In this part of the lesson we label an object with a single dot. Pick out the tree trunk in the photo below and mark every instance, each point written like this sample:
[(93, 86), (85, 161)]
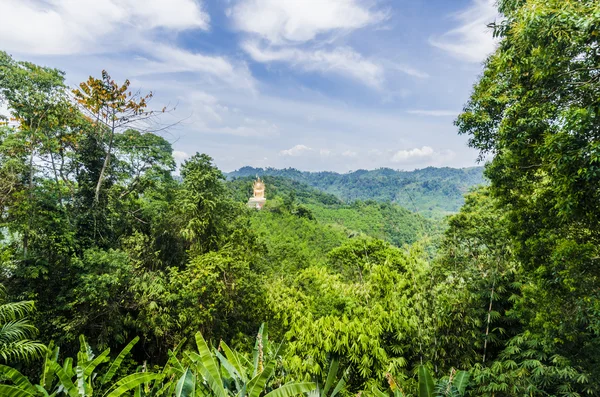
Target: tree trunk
[(30, 198), (106, 163), (487, 328)]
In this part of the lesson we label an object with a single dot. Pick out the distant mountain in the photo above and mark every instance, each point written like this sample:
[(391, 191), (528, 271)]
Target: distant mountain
[(432, 192)]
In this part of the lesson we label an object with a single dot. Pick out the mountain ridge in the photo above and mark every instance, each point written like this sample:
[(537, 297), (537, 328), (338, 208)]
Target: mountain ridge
[(433, 191)]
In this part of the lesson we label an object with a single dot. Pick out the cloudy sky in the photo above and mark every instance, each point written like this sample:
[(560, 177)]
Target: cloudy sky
[(313, 84)]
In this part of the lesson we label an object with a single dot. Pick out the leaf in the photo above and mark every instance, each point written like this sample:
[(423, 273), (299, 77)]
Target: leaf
[(117, 363), (256, 351), (131, 382), (425, 382), (85, 354), (176, 365), (167, 369), (461, 381), (257, 384), (13, 391), (186, 387), (91, 366), (82, 388), (378, 393), (65, 380), (233, 373), (47, 372), (208, 367), (234, 359), (333, 369), (17, 378), (292, 389), (68, 366), (341, 383)]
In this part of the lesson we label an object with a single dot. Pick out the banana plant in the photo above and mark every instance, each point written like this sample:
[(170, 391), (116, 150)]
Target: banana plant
[(76, 380), (323, 391), (205, 373), (232, 375), (454, 385)]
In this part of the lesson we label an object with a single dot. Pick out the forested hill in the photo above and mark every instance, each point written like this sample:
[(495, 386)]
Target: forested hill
[(382, 220), (431, 191)]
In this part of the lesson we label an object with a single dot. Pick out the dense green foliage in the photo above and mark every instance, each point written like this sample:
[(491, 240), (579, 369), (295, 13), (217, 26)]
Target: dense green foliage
[(367, 296), (432, 192)]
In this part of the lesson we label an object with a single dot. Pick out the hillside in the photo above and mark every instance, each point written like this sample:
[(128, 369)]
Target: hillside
[(432, 192), (386, 221)]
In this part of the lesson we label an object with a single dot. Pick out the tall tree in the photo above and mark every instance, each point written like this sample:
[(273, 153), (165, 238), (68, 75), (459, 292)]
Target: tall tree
[(112, 107), (535, 113)]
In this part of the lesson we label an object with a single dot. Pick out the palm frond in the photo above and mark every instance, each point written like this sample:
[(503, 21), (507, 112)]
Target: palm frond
[(15, 310), (21, 350), (13, 331)]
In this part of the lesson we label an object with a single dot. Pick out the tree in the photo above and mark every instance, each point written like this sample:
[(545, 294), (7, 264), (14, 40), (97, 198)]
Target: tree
[(37, 100), (206, 210), (477, 265), (111, 107), (535, 114)]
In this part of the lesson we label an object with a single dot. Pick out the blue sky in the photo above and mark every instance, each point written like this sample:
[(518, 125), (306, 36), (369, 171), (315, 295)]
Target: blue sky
[(313, 84)]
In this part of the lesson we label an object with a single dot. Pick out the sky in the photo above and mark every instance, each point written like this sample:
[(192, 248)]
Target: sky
[(317, 85)]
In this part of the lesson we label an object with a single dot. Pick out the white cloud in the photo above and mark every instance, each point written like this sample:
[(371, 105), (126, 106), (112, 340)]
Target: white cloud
[(405, 156), (472, 40), (303, 34), (180, 156), (343, 60), (349, 153), (140, 30), (407, 70), (252, 128), (210, 115), (281, 21), (76, 26), (296, 151), (168, 59), (433, 113), (325, 152)]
